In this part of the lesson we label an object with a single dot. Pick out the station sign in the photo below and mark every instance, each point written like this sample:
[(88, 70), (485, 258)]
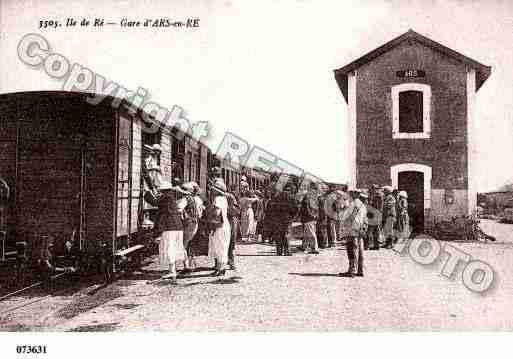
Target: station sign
[(411, 73)]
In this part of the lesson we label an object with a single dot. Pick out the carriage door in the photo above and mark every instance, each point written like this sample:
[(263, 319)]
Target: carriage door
[(128, 181), (413, 183)]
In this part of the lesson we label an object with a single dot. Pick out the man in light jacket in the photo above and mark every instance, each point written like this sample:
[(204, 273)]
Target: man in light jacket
[(357, 224)]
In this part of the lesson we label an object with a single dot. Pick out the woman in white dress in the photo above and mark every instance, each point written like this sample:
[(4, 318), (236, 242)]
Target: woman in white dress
[(219, 238), (247, 225), (169, 224)]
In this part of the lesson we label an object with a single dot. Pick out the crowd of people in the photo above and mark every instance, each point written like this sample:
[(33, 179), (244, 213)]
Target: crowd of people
[(360, 219)]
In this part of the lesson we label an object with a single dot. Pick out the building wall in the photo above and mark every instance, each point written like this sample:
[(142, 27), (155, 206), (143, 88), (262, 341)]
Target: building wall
[(445, 151)]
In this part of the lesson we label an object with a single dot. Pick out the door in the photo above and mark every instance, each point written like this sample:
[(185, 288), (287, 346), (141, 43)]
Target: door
[(413, 183), (128, 181)]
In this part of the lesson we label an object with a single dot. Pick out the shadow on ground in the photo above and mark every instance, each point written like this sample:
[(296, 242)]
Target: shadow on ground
[(315, 274), (87, 303), (103, 327)]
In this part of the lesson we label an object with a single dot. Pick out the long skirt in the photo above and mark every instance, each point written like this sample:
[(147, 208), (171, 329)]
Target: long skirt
[(253, 229), (403, 227), (247, 222), (388, 228), (219, 243), (171, 248), (189, 232)]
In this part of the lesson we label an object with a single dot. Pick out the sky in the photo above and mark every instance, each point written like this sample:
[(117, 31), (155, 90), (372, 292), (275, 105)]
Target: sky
[(264, 69)]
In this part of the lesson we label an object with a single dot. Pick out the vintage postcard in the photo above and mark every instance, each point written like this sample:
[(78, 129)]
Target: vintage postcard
[(221, 166)]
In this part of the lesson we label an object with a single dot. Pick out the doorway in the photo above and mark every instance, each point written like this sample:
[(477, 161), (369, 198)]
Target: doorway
[(413, 183)]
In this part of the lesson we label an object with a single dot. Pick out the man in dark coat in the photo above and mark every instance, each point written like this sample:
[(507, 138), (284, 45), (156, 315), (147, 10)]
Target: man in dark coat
[(234, 218), (322, 222), (389, 216), (281, 210), (309, 213), (331, 206)]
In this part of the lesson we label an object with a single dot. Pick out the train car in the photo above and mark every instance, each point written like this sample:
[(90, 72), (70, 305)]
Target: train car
[(71, 169), (257, 179), (74, 168)]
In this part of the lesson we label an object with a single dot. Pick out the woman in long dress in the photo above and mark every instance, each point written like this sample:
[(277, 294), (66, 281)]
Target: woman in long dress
[(247, 224), (169, 224), (219, 239), (190, 222)]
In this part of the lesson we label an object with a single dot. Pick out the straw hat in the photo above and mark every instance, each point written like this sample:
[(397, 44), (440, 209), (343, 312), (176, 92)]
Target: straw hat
[(388, 189), (156, 147), (188, 186), (403, 194), (219, 186), (168, 186)]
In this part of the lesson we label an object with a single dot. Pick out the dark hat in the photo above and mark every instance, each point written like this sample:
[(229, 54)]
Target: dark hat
[(148, 148)]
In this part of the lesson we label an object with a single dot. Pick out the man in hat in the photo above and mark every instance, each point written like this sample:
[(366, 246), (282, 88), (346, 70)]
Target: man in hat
[(282, 210), (244, 185), (215, 172), (403, 218), (234, 219), (309, 214), (152, 166), (357, 220), (332, 214), (374, 210), (322, 222), (364, 197), (389, 216)]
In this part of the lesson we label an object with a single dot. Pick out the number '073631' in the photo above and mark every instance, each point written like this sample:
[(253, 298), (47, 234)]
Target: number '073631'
[(31, 349)]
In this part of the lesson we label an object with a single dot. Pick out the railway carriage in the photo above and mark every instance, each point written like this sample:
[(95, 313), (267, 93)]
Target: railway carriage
[(71, 168)]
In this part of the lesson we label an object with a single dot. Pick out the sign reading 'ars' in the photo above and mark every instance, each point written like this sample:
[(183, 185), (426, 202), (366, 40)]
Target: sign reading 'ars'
[(410, 73)]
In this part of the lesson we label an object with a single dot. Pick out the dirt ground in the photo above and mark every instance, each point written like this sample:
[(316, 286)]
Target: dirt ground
[(271, 293)]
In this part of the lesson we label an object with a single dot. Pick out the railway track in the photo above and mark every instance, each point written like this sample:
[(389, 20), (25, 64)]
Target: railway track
[(26, 303)]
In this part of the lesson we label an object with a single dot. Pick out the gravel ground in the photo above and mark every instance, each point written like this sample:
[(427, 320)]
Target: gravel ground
[(298, 293)]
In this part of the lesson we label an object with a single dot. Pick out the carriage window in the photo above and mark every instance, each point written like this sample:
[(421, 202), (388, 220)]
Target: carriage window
[(411, 110)]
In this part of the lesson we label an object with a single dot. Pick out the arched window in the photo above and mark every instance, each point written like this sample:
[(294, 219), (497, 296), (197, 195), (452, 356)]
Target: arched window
[(411, 110)]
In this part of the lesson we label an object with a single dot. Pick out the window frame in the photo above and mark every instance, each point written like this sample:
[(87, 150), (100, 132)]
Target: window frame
[(426, 110)]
